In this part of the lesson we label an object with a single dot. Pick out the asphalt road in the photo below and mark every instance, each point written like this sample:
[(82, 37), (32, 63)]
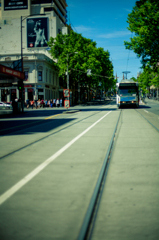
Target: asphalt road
[(152, 105), (50, 161), (31, 117)]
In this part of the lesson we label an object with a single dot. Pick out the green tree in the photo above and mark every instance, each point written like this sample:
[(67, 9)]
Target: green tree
[(148, 78), (81, 54), (144, 79), (143, 21), (106, 69)]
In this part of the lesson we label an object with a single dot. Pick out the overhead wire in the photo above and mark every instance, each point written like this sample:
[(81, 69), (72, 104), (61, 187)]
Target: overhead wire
[(128, 55), (91, 73)]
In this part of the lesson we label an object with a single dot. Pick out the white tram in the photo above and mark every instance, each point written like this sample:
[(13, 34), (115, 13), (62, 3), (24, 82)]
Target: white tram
[(127, 93)]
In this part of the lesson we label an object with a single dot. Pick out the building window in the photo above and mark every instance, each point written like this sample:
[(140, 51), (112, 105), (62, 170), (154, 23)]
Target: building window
[(26, 75), (39, 75), (46, 76), (48, 9), (53, 78), (49, 77)]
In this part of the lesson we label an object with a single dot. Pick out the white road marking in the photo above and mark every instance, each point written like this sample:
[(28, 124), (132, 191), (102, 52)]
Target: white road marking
[(146, 111), (37, 170)]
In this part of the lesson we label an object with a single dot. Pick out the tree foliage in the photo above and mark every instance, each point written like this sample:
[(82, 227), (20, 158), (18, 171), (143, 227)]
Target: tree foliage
[(148, 78), (143, 21), (81, 54)]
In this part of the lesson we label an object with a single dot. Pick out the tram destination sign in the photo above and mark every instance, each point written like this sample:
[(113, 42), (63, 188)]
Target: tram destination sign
[(127, 84), (15, 5)]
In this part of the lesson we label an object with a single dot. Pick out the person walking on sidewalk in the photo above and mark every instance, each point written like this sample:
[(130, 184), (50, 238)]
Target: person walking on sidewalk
[(32, 104), (57, 103), (54, 102), (60, 102)]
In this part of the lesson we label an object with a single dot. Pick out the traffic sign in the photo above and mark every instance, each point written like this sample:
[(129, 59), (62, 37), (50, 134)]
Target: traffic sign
[(66, 92), (66, 103)]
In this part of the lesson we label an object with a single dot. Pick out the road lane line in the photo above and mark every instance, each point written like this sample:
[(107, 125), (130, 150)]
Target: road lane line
[(37, 170), (53, 116), (146, 111)]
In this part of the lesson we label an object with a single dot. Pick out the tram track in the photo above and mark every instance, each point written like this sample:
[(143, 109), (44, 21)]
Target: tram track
[(90, 217), (88, 224)]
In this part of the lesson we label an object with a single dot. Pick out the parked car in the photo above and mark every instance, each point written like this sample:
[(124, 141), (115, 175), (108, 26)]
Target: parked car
[(5, 106)]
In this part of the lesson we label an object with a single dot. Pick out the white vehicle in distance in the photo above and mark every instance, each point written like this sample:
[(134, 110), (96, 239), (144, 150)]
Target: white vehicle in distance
[(5, 106), (127, 93)]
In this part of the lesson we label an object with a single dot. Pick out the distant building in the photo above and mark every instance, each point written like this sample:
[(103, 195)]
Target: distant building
[(41, 19)]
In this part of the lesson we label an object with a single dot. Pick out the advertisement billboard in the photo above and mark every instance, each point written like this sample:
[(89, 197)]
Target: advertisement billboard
[(37, 32), (15, 4)]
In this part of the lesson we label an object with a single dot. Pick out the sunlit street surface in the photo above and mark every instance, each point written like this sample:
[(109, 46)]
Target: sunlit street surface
[(50, 164)]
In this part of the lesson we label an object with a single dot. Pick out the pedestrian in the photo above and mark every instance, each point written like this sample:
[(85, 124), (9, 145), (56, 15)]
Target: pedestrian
[(54, 102), (27, 103), (57, 103), (38, 104), (60, 102), (32, 104), (42, 103), (46, 103), (51, 103)]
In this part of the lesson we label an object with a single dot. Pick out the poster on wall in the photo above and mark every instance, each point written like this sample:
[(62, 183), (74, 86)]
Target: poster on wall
[(37, 32), (15, 4)]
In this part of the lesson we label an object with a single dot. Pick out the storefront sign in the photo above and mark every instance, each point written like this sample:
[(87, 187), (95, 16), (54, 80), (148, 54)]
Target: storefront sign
[(29, 86), (15, 4), (11, 72), (5, 84)]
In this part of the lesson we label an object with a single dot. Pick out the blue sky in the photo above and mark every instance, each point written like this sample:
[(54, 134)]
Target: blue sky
[(104, 21)]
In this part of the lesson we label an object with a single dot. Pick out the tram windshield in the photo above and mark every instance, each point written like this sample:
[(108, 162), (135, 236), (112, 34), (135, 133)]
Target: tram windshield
[(127, 92)]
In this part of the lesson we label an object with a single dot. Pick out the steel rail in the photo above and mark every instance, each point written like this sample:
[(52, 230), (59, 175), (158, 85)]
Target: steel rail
[(84, 231)]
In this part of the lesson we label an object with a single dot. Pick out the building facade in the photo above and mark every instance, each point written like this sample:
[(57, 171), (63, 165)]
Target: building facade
[(25, 28)]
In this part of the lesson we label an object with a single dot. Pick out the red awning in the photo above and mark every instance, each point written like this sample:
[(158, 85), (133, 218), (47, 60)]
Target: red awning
[(9, 71)]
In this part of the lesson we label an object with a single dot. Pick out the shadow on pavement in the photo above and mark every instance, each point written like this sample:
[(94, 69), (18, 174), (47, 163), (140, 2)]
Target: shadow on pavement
[(30, 126), (132, 107)]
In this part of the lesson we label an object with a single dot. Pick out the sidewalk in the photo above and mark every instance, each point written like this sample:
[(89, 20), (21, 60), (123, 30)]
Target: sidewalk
[(151, 100)]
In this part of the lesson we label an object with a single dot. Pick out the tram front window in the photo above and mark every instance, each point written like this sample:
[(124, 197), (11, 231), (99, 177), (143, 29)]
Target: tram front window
[(127, 92)]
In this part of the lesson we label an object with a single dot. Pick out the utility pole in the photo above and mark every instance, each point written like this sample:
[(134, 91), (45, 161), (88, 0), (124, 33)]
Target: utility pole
[(126, 72)]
